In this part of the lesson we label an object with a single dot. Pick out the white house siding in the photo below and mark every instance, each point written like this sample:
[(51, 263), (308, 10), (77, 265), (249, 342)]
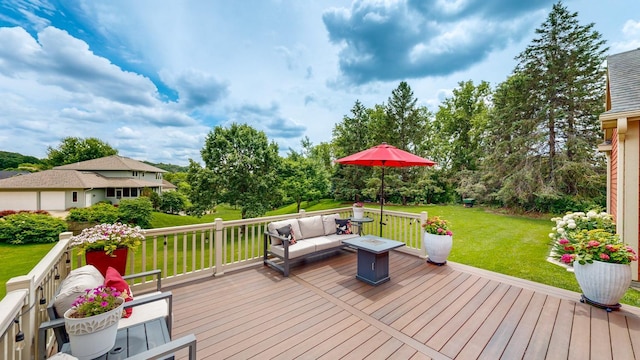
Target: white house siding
[(18, 200), (52, 200)]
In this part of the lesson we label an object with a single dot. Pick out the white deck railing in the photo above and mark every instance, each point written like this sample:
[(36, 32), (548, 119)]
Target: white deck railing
[(183, 253)]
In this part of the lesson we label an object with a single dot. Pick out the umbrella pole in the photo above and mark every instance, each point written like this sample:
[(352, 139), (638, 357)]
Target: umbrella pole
[(382, 199)]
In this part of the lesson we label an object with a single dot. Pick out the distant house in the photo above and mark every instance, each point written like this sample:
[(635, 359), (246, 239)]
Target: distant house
[(621, 126), (82, 184)]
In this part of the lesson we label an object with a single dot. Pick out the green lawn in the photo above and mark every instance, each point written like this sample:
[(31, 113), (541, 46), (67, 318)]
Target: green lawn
[(512, 245)]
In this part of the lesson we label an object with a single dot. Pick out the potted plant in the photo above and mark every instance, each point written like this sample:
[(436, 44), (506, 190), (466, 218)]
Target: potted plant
[(107, 245), (358, 210), (600, 260), (92, 322), (437, 239)]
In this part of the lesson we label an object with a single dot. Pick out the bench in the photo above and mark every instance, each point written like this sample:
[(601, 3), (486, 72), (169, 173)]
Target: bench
[(314, 235), (146, 307)]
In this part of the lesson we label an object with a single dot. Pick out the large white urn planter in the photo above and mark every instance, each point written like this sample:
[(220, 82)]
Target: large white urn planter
[(358, 212), (92, 336), (438, 247), (603, 284)]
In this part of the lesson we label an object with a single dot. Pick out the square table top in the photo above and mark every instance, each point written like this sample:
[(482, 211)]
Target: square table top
[(373, 244)]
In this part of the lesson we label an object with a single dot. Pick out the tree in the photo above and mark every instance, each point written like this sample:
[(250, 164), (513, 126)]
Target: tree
[(12, 161), (303, 176), (458, 134), (74, 149), (556, 95), (173, 202), (351, 136), (404, 126), (241, 169)]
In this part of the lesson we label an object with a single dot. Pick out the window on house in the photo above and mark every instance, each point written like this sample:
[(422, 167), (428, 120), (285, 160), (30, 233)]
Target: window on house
[(134, 192), (111, 192), (75, 196), (134, 173), (125, 192)]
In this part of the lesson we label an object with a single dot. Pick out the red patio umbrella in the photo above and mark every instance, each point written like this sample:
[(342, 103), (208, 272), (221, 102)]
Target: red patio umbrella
[(384, 155)]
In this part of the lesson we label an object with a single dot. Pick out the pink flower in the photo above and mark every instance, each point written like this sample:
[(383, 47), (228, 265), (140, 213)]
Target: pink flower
[(563, 241), (104, 304), (440, 230), (567, 258), (569, 248), (604, 257), (593, 243), (610, 248), (449, 233)]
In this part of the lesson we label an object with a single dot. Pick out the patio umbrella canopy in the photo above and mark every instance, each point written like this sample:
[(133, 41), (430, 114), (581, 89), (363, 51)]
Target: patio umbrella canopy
[(384, 155)]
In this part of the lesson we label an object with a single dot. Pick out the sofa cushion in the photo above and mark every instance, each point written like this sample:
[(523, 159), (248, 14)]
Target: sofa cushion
[(329, 223), (311, 227), (279, 224), (74, 285), (301, 248), (114, 279), (343, 226)]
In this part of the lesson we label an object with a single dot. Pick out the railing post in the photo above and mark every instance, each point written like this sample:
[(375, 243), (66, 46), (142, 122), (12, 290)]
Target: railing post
[(28, 317), (423, 219), (219, 248), (69, 254)]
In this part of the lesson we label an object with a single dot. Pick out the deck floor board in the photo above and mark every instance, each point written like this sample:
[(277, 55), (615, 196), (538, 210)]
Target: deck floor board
[(423, 312)]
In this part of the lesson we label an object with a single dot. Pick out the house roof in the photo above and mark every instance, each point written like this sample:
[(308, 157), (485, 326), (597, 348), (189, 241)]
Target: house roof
[(66, 179), (623, 79), (167, 185), (113, 162), (4, 174)]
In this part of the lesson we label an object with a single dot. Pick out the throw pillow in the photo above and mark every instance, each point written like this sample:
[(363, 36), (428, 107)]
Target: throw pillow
[(75, 284), (115, 280), (287, 232), (343, 226)]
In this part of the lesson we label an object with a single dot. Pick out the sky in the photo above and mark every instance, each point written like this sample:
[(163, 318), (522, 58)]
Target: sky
[(153, 77)]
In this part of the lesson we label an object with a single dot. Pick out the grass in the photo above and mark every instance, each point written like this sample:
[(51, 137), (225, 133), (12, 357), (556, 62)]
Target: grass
[(507, 244), (19, 260)]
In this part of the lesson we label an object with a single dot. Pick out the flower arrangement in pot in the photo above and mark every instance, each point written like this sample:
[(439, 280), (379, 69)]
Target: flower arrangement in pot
[(599, 258), (92, 321), (358, 210), (437, 239), (107, 245)]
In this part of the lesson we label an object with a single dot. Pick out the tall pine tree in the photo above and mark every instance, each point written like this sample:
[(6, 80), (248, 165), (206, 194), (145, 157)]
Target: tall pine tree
[(562, 71)]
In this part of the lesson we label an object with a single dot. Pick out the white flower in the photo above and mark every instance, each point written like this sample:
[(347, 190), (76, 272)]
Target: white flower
[(561, 231), (572, 225), (591, 214), (552, 235), (562, 223)]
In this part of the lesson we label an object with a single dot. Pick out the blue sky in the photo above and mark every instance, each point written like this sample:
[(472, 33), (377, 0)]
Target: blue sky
[(152, 78)]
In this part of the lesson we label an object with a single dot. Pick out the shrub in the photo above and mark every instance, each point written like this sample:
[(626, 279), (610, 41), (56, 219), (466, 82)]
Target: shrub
[(99, 213), (28, 228), (136, 211), (173, 202)]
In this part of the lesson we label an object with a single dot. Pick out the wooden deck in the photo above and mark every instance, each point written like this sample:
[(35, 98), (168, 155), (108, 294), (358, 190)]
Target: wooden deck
[(424, 312)]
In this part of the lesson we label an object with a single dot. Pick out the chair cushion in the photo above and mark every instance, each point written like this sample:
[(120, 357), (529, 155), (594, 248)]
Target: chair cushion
[(74, 285), (145, 312), (311, 227), (329, 223), (115, 280)]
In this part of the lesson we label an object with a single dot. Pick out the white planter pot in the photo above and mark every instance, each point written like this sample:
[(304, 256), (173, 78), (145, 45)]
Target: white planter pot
[(438, 247), (603, 284), (93, 336), (358, 212)]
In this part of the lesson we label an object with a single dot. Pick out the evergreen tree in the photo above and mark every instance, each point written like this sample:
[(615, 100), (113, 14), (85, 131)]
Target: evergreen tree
[(553, 155)]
